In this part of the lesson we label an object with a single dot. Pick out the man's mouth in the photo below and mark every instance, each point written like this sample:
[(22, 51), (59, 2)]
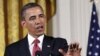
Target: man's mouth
[(39, 27)]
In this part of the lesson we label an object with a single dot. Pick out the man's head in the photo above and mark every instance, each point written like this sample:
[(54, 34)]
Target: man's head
[(33, 19)]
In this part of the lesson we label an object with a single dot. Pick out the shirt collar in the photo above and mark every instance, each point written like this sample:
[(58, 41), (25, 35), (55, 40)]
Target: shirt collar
[(31, 39)]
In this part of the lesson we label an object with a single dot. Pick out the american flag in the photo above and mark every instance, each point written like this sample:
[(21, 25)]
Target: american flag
[(93, 48)]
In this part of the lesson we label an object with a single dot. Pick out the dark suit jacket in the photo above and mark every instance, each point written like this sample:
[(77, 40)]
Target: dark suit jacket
[(50, 47)]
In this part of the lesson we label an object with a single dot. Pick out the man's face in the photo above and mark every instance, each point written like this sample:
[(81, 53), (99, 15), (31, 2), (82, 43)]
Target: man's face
[(34, 21)]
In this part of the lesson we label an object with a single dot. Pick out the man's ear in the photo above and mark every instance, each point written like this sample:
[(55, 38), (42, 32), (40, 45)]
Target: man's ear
[(23, 23)]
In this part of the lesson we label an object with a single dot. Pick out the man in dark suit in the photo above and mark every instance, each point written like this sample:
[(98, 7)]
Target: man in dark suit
[(33, 19)]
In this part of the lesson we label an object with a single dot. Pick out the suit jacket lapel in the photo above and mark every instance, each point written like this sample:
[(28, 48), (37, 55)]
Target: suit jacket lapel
[(24, 47), (47, 45)]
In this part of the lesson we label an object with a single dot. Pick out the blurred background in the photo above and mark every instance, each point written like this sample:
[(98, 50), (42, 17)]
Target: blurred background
[(69, 19)]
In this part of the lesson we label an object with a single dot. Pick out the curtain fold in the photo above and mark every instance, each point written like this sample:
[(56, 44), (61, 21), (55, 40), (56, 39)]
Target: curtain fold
[(10, 27), (2, 29), (13, 21)]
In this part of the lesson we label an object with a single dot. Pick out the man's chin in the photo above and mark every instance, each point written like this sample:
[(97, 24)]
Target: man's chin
[(39, 34)]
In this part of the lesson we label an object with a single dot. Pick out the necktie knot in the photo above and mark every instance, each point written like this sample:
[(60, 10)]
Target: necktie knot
[(36, 41)]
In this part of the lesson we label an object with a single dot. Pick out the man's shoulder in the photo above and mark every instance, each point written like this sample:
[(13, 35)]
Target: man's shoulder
[(15, 44), (57, 39)]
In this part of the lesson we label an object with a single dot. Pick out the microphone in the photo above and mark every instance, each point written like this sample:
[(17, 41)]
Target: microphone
[(38, 53)]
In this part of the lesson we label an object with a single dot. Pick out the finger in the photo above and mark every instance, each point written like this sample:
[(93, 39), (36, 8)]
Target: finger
[(76, 46), (80, 50), (70, 46), (70, 51), (62, 52), (73, 45)]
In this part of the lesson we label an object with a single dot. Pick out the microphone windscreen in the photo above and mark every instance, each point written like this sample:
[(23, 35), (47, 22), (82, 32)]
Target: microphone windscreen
[(38, 53)]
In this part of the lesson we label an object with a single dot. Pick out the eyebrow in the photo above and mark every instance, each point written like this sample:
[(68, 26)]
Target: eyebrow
[(35, 15), (41, 14), (32, 16)]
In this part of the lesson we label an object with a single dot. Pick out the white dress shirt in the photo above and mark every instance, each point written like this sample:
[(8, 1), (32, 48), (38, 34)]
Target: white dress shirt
[(31, 44)]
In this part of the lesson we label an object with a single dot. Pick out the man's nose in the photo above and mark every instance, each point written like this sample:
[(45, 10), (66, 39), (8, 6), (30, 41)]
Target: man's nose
[(38, 21)]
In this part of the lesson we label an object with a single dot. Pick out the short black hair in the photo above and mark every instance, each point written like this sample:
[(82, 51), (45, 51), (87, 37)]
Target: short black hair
[(27, 6)]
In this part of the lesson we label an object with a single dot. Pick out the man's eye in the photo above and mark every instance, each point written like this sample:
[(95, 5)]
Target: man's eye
[(32, 18), (41, 16)]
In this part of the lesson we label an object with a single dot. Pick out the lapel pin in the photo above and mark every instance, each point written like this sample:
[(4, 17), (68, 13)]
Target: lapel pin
[(48, 45)]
